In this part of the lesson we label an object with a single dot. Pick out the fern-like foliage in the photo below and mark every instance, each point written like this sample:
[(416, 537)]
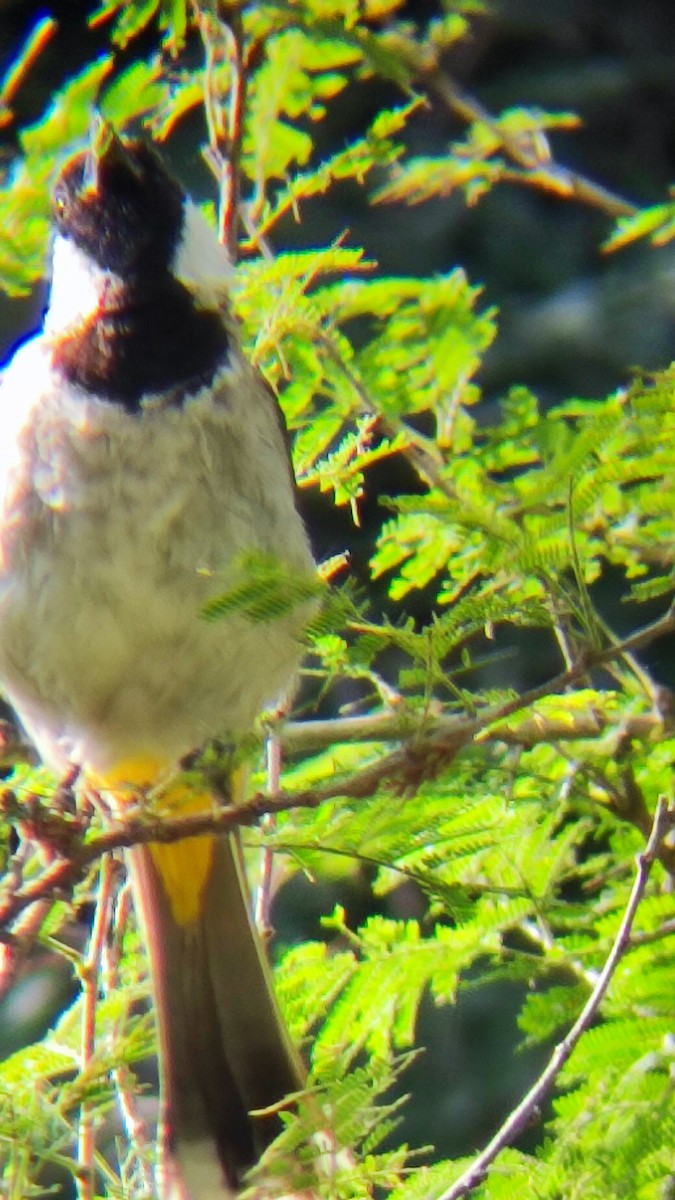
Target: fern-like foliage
[(514, 819)]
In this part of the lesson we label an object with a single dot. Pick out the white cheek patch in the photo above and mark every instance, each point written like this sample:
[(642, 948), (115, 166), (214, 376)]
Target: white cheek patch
[(200, 262), (78, 285)]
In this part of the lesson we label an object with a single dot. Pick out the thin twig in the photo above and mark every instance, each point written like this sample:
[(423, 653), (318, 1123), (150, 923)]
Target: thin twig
[(520, 1118), (29, 819), (112, 952), (57, 879), (666, 929), (20, 943), (539, 932), (236, 112), (650, 688), (89, 977), (536, 165), (306, 737), (593, 658), (223, 41), (422, 454), (263, 898), (138, 1139)]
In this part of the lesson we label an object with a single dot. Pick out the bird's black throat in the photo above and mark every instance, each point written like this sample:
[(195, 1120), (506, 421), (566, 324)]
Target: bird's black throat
[(147, 337)]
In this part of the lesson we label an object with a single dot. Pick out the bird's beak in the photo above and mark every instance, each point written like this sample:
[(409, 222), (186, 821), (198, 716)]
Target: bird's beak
[(106, 149)]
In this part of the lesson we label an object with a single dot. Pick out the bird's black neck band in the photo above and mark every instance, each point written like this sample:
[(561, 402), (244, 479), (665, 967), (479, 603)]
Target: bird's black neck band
[(148, 337)]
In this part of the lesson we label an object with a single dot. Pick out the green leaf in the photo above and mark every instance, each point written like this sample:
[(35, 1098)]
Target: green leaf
[(266, 590), (656, 222)]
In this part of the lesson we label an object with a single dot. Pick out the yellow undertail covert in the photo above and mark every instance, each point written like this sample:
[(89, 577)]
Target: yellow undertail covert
[(184, 865)]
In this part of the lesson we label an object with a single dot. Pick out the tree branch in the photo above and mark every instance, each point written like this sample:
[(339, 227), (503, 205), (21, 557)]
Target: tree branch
[(519, 1119), (307, 737), (396, 725), (424, 752), (530, 155)]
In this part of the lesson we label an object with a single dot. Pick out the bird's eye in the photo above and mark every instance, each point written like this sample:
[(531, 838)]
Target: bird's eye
[(60, 203)]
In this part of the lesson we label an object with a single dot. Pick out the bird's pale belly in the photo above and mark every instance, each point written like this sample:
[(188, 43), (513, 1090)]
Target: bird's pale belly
[(113, 542)]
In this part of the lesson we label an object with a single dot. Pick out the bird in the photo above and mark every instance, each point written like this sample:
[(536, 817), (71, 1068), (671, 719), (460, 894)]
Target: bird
[(142, 458)]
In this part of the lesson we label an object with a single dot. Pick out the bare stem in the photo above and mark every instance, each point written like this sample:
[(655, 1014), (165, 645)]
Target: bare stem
[(138, 1136), (136, 1172), (224, 104), (23, 937), (263, 897), (89, 974)]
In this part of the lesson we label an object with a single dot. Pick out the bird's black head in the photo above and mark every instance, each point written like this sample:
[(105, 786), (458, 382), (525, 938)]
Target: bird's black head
[(141, 332), (119, 205)]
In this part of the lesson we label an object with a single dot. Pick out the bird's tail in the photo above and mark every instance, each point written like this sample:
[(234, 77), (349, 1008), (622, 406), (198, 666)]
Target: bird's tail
[(224, 1048)]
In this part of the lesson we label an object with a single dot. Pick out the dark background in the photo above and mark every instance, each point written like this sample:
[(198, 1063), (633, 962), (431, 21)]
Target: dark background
[(573, 322)]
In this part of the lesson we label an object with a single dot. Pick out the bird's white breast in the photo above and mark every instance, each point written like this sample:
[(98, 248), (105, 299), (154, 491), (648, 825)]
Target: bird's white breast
[(115, 528)]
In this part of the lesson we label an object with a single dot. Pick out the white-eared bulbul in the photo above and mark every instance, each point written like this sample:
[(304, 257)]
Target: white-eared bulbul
[(141, 457)]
